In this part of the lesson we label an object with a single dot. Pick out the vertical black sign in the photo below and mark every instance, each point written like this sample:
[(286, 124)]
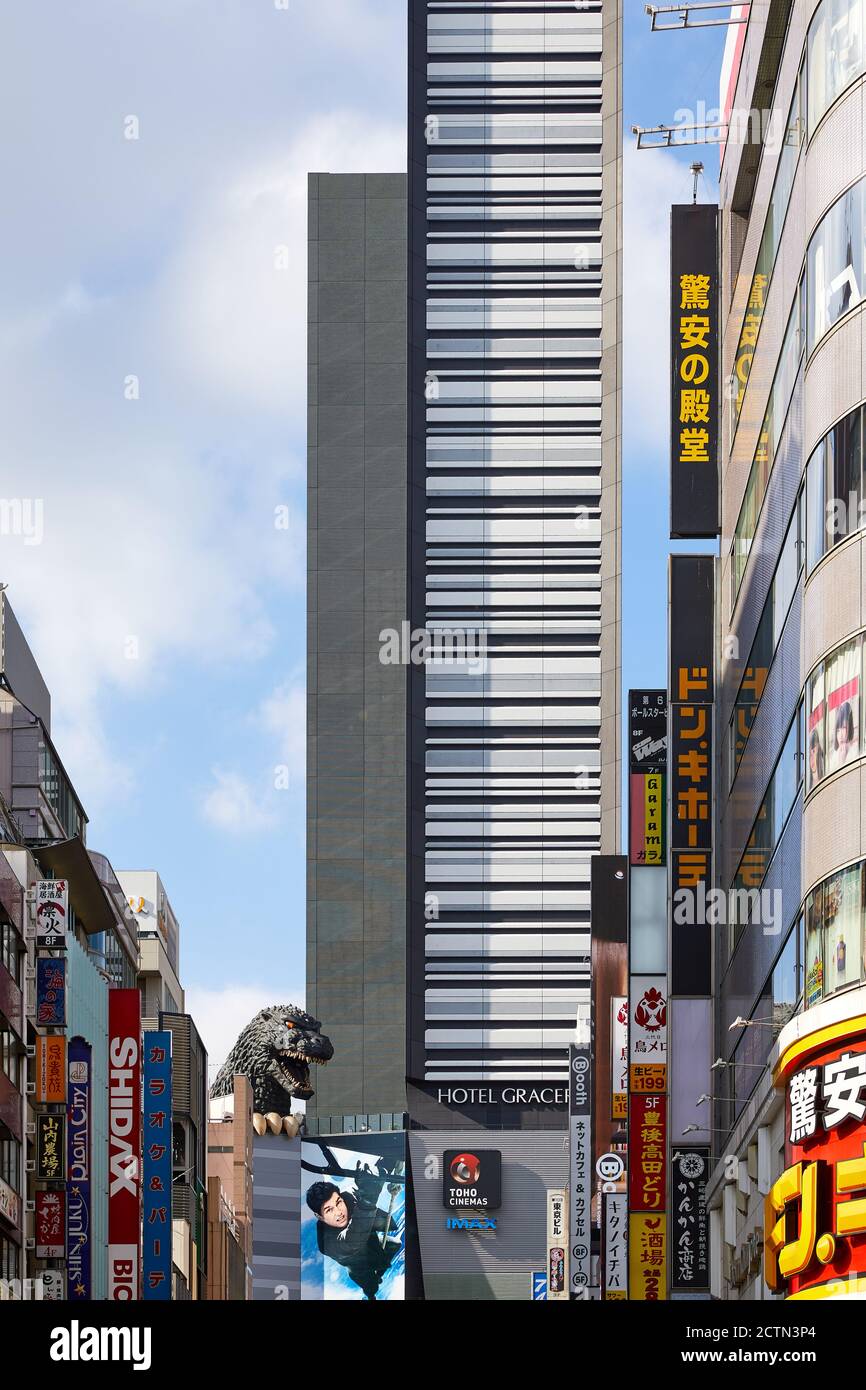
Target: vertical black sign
[(695, 371), (648, 730), (692, 647), (690, 1270)]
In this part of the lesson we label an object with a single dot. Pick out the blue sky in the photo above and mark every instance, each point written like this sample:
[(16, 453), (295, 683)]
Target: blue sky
[(165, 604)]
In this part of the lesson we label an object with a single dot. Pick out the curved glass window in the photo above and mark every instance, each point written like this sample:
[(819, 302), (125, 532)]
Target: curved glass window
[(835, 265), (834, 735), (834, 54), (835, 487), (835, 935)]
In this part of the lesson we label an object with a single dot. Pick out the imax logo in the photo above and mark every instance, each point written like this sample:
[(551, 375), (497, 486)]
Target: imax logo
[(465, 1223)]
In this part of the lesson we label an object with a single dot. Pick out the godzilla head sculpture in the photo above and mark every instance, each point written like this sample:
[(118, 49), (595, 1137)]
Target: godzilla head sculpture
[(275, 1052)]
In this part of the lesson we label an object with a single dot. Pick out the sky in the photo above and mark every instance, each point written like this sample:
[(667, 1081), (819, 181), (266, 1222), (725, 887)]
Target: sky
[(152, 393)]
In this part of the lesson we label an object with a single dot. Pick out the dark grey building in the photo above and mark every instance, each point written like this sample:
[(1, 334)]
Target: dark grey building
[(357, 587)]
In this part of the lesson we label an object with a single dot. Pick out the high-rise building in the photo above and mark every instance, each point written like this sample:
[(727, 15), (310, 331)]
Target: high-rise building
[(464, 483), (791, 839)]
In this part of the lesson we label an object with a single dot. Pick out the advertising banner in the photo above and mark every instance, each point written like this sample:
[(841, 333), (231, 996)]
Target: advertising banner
[(557, 1246), (619, 1061), (815, 1214), (647, 1148), (690, 1170), (648, 731), (580, 1167), (78, 1174), (50, 1148), (648, 1033), (51, 1070), (52, 913), (156, 1144), (615, 1227), (51, 991), (353, 1218), (51, 1225), (124, 1143), (647, 841), (647, 1258), (695, 371), (53, 1285)]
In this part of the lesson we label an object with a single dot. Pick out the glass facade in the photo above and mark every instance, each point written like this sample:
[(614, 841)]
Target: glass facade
[(769, 439), (768, 635), (771, 820), (770, 240)]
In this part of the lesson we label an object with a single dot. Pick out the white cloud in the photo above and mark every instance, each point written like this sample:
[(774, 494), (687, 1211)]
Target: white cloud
[(220, 1015), (233, 804), (284, 713), (652, 182), (160, 548), (235, 298)]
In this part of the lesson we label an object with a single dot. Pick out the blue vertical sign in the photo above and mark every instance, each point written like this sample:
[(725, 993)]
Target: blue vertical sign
[(51, 991), (78, 1172), (539, 1286), (156, 1163)]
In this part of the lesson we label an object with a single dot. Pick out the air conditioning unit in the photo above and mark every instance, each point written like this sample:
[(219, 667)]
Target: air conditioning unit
[(29, 1206), (30, 1165), (30, 1088), (29, 1243), (30, 1050), (30, 1129)]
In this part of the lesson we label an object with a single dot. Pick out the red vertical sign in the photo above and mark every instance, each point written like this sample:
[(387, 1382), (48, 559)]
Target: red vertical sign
[(124, 1143)]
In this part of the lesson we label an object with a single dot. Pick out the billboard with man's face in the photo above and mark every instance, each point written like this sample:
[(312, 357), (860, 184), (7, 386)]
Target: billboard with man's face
[(353, 1217)]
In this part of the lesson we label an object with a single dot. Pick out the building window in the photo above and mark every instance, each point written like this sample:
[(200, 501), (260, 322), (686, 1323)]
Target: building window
[(834, 265), (834, 486), (10, 1163), (834, 713), (10, 1057), (834, 54), (769, 440), (771, 238), (835, 914), (11, 951), (8, 1259), (767, 638), (768, 828)]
